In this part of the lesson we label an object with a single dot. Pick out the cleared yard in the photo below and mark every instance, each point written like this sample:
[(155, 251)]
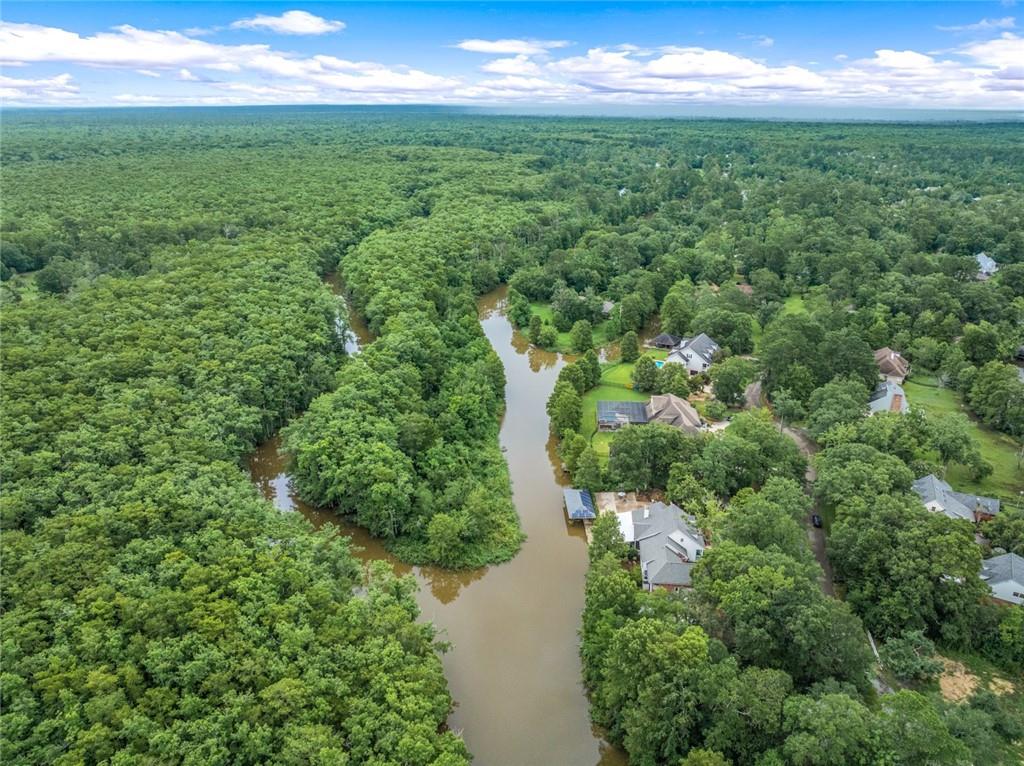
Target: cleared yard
[(1007, 479), (621, 373)]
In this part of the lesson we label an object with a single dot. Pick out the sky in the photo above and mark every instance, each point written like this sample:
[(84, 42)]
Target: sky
[(843, 54)]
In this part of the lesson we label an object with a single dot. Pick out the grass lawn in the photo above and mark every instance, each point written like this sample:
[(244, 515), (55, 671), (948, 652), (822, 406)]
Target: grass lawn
[(997, 448), (605, 393), (756, 332), (601, 334), (620, 373)]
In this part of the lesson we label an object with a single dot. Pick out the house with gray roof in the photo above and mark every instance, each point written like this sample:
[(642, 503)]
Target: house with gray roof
[(1004, 575), (668, 542), (674, 411), (888, 397), (696, 353), (986, 265), (611, 416), (940, 497), (665, 341)]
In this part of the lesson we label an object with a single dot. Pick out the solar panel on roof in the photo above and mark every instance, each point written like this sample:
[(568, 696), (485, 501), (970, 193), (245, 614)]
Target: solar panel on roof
[(579, 504)]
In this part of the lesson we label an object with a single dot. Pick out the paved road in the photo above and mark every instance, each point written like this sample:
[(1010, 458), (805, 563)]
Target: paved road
[(808, 448)]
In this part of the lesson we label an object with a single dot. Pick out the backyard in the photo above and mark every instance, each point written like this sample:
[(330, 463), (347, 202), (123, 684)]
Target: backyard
[(1001, 450)]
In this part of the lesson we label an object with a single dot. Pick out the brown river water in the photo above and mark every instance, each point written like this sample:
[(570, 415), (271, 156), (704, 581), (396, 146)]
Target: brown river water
[(514, 667)]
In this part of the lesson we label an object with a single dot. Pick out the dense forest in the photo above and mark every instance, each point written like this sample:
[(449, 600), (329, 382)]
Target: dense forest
[(164, 312)]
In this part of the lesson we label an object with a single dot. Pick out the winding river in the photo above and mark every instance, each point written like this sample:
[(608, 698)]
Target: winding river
[(514, 668)]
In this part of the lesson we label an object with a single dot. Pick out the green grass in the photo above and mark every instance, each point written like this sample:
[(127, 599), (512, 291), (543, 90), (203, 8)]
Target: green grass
[(602, 335), (605, 392), (999, 449), (620, 373), (794, 304), (756, 332)]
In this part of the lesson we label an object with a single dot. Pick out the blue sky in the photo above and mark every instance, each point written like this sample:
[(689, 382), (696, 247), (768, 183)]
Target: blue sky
[(911, 54)]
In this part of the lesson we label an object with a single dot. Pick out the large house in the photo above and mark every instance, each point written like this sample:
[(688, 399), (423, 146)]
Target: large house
[(887, 397), (668, 542), (611, 416), (1005, 577), (939, 497), (891, 365), (674, 411), (696, 353)]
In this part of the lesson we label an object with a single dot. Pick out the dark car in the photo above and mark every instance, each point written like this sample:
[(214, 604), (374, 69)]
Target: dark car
[(816, 520)]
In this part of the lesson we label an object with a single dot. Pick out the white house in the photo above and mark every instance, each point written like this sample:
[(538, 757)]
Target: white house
[(696, 354), (1005, 577), (986, 265), (888, 397)]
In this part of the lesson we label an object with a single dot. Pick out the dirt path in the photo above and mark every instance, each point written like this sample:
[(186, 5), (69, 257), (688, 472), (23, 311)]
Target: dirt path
[(815, 535)]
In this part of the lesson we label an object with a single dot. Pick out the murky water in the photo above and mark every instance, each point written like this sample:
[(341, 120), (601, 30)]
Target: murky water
[(357, 334), (514, 668)]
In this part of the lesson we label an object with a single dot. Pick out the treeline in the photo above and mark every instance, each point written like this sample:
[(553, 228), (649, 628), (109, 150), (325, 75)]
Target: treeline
[(155, 609)]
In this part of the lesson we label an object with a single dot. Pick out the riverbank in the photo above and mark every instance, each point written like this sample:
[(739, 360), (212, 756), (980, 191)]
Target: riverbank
[(514, 668)]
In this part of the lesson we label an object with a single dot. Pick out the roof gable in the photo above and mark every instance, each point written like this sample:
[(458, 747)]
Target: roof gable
[(701, 345), (674, 411), (1006, 568)]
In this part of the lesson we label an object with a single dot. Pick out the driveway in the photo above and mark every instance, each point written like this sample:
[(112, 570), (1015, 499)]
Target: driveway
[(808, 448), (753, 395)]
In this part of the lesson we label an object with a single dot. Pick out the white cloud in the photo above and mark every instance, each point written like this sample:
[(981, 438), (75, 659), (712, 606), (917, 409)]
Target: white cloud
[(518, 65), (761, 41), (136, 98), (699, 62), (985, 25), (511, 47), (291, 23), (1007, 50), (128, 47), (984, 72), (47, 89)]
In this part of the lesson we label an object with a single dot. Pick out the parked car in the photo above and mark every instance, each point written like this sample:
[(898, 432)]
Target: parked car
[(816, 520)]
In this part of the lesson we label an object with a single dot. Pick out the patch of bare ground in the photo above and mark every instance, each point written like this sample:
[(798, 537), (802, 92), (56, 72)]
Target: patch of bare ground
[(956, 682), (1002, 686)]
